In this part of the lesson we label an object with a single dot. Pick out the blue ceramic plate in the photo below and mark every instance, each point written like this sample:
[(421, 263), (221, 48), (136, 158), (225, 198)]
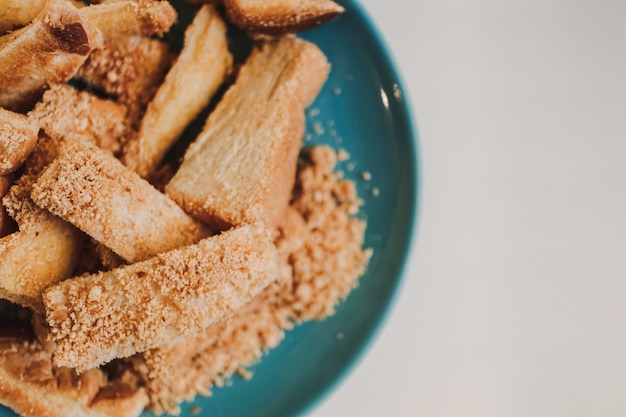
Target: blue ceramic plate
[(363, 110)]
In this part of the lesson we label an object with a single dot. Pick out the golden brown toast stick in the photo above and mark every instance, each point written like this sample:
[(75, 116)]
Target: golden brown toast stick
[(32, 387), (94, 191), (195, 76), (18, 136), (64, 110), (277, 17), (130, 69), (44, 251), (241, 168), (47, 51), (118, 313), (17, 13), (123, 18)]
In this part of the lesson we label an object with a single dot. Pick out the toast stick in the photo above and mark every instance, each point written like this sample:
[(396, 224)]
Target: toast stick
[(32, 387), (123, 18), (278, 17), (18, 136), (130, 69), (64, 110), (17, 13), (47, 51), (193, 79), (241, 168), (94, 191), (44, 251), (97, 318)]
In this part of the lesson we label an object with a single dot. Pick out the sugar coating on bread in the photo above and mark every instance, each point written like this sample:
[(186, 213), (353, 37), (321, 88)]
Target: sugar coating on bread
[(94, 191), (129, 68), (63, 110), (241, 168), (18, 136), (114, 314)]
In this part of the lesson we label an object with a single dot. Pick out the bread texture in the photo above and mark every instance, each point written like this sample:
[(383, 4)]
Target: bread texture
[(115, 18), (192, 81), (115, 314), (47, 51), (32, 387), (279, 17), (44, 251), (241, 168), (18, 136), (65, 111), (91, 189)]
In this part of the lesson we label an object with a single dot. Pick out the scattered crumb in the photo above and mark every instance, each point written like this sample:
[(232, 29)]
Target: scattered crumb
[(343, 155), (336, 91), (312, 112), (194, 409), (317, 128), (350, 166), (366, 176), (375, 192)]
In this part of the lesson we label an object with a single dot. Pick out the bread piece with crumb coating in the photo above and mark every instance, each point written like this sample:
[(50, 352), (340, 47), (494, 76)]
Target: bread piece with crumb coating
[(18, 136), (278, 17), (95, 192), (115, 314), (117, 18), (129, 69), (44, 251), (63, 110), (47, 51), (241, 168), (31, 386)]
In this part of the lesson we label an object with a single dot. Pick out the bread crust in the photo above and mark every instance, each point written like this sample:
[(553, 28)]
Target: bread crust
[(241, 168), (49, 50), (279, 17), (18, 136), (93, 190)]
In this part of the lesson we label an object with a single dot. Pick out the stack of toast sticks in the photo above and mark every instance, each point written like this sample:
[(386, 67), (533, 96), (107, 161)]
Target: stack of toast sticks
[(112, 249)]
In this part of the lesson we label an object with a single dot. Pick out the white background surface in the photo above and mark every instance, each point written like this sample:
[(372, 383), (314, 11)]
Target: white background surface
[(514, 302)]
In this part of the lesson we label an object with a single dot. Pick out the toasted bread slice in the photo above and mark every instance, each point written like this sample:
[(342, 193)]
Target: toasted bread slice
[(18, 136), (127, 310), (131, 17), (195, 76), (278, 17), (129, 69), (94, 191), (17, 13), (31, 386), (49, 50), (64, 110), (44, 251), (241, 168)]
